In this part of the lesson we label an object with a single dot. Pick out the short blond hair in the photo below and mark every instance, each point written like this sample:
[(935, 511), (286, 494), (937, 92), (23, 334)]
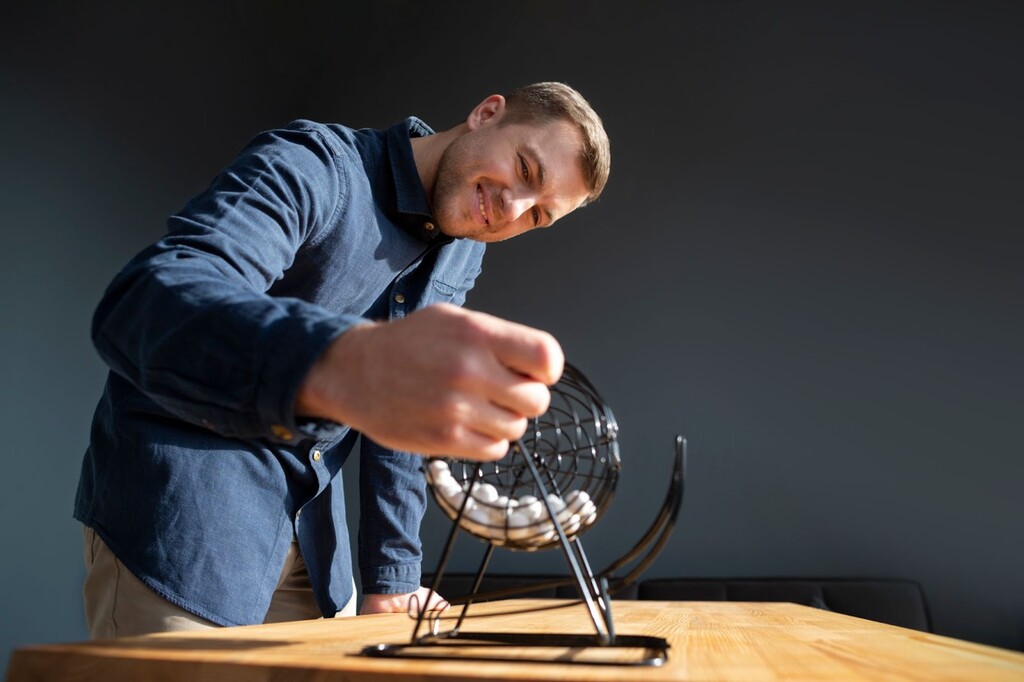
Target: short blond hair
[(549, 101)]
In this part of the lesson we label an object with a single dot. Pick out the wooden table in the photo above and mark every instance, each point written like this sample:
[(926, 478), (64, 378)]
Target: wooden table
[(709, 641)]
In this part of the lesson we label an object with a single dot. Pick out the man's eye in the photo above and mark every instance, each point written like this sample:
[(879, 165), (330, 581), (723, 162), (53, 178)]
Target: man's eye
[(524, 168), (536, 216)]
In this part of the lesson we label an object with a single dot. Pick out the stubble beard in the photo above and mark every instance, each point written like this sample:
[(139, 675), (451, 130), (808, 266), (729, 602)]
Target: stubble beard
[(449, 184)]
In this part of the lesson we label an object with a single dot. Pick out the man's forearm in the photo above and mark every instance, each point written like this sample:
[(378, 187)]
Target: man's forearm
[(442, 381)]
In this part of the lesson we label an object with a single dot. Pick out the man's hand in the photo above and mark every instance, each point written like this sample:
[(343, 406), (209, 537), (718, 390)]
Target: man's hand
[(442, 381), (402, 603)]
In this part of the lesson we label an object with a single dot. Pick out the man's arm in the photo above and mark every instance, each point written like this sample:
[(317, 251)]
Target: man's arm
[(442, 381), (188, 320), (392, 501)]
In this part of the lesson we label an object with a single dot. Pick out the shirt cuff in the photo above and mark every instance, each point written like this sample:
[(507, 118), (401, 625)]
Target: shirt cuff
[(395, 579), (292, 350)]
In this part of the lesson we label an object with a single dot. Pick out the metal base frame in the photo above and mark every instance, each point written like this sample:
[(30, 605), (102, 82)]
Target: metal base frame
[(486, 646), (593, 588)]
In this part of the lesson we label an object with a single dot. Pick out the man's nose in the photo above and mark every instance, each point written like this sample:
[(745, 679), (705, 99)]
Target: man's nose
[(516, 203)]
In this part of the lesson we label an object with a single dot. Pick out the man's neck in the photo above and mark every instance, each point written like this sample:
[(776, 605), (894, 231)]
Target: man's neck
[(427, 151)]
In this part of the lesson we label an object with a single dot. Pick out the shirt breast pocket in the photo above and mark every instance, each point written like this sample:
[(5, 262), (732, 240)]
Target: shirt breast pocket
[(440, 291)]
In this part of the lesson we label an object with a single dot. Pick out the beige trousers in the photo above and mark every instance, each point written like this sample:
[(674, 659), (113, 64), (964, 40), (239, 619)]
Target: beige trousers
[(117, 604)]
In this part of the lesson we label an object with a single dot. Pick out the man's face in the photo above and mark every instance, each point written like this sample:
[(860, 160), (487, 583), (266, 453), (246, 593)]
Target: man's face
[(498, 181)]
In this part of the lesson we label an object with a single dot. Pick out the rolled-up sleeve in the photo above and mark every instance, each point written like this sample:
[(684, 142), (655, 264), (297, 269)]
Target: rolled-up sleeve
[(392, 503)]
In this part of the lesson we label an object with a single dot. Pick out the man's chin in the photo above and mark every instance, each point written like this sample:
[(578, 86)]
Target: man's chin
[(474, 232), (471, 230), (483, 234)]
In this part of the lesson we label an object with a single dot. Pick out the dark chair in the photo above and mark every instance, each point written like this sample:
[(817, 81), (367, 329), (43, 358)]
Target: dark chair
[(893, 601)]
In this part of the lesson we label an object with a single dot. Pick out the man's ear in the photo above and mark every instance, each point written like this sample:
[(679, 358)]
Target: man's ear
[(488, 111)]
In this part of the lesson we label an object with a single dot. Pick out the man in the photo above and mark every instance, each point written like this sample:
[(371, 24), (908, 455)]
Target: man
[(308, 296)]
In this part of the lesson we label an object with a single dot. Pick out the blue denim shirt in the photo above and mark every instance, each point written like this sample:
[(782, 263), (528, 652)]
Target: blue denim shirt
[(198, 474)]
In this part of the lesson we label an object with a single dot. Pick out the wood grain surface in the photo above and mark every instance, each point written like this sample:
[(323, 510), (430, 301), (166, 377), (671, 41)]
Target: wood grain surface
[(709, 641)]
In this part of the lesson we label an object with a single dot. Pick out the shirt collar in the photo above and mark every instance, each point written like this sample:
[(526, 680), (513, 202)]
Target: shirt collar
[(412, 210)]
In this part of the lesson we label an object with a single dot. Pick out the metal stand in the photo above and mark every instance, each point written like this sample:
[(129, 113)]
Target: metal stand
[(593, 589)]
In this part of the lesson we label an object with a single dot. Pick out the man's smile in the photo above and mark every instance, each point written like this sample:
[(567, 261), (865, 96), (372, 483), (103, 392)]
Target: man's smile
[(482, 206)]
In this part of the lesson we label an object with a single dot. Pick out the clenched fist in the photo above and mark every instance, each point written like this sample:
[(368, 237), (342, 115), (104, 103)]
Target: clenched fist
[(442, 381)]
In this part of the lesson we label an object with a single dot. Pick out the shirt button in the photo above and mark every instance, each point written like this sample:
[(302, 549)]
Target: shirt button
[(399, 298), (316, 455), (281, 432), (428, 226)]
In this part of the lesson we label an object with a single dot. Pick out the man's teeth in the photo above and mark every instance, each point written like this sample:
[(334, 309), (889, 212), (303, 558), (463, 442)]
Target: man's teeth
[(480, 199)]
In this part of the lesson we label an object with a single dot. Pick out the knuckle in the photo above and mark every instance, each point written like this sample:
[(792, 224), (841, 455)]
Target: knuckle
[(543, 401), (517, 427), (550, 356), (471, 329), (461, 373), (495, 451), (452, 410), (448, 435), (536, 399)]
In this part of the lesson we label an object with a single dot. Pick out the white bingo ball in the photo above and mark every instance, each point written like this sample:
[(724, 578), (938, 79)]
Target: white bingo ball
[(519, 534), (546, 537), (556, 503), (456, 499), (445, 482), (475, 522), (522, 535), (438, 468), (571, 525), (535, 532), (576, 499), (478, 515), (527, 536), (519, 519), (485, 492), (544, 528), (495, 515), (449, 488), (534, 510)]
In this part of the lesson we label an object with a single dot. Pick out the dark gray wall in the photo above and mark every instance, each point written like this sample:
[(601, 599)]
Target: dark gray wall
[(808, 259)]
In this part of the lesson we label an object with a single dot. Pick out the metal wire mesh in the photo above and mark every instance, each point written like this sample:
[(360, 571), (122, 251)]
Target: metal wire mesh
[(574, 448)]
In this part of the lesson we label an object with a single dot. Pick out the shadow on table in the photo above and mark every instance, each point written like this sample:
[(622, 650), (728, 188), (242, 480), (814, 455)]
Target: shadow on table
[(180, 644)]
